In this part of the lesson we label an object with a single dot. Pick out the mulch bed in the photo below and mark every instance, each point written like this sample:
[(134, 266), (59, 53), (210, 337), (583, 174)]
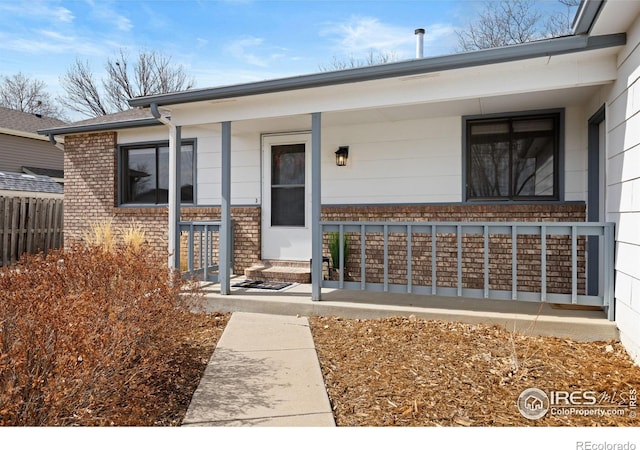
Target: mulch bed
[(413, 372)]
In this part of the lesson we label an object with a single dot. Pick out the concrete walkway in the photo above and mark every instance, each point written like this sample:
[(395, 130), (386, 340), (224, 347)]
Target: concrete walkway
[(263, 372)]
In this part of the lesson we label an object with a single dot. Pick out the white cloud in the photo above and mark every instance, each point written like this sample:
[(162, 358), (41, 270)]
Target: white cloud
[(103, 11), (252, 50), (359, 35), (38, 10), (63, 15)]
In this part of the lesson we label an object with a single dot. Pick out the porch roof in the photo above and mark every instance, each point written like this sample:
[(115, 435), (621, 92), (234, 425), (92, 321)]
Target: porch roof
[(140, 116), (543, 48)]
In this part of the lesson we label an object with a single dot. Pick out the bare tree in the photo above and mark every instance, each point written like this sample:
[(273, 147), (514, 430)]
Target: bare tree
[(560, 23), (28, 95), (509, 22), (151, 73), (372, 58)]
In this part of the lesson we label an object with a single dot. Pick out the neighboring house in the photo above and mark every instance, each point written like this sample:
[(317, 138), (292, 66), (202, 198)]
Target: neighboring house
[(23, 150), (28, 185), (465, 148)]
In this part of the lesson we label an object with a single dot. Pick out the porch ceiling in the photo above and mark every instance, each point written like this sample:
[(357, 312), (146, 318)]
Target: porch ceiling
[(486, 105)]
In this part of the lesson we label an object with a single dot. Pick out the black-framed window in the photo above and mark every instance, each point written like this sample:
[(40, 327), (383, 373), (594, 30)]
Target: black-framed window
[(144, 173), (513, 158)]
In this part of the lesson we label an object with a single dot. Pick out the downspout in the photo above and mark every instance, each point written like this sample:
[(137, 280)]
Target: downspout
[(52, 139), (174, 182)]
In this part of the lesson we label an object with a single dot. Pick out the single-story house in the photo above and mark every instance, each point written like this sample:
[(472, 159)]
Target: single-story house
[(507, 173)]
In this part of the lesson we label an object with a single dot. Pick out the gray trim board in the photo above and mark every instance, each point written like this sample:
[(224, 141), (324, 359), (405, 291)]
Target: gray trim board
[(593, 198), (548, 47), (107, 126)]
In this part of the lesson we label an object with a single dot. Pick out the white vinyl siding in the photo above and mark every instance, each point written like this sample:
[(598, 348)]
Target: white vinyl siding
[(623, 187), (413, 161)]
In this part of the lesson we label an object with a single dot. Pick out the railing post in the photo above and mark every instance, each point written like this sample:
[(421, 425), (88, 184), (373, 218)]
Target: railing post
[(543, 263), (459, 240), (434, 263), (514, 262), (574, 265), (409, 260), (363, 257), (609, 270), (486, 261)]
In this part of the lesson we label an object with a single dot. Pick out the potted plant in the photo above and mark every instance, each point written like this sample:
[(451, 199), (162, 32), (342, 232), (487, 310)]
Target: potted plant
[(334, 250)]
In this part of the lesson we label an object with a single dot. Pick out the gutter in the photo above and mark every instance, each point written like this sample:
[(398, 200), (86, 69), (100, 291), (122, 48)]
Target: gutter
[(586, 16), (550, 47), (106, 126)]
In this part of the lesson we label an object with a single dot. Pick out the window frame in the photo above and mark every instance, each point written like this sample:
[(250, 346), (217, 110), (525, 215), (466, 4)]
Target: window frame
[(122, 159), (558, 114)]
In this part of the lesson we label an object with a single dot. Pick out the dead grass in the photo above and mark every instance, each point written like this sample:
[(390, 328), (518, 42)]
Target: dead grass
[(412, 372)]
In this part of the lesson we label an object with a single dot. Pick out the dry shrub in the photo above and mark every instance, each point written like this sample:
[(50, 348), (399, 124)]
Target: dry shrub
[(100, 234), (88, 337), (133, 236)]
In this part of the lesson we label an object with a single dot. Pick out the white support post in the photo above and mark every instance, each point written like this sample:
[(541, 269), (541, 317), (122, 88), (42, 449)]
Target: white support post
[(225, 212)]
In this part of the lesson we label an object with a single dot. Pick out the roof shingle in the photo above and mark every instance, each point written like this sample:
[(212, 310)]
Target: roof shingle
[(26, 122)]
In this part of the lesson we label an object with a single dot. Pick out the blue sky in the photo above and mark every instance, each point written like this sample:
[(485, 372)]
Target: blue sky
[(225, 41)]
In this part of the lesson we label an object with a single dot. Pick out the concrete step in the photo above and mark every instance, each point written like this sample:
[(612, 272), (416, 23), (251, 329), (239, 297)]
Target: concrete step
[(289, 271)]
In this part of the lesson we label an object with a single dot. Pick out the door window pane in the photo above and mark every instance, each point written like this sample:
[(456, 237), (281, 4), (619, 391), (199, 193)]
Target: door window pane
[(288, 185)]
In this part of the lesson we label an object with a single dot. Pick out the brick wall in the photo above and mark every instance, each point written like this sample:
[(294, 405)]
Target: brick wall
[(90, 182), (528, 247), (91, 196)]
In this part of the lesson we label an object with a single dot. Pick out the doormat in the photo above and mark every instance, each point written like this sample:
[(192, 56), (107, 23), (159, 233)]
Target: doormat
[(269, 285)]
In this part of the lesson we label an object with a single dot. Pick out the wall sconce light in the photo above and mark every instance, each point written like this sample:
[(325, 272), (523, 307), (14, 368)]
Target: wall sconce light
[(342, 155)]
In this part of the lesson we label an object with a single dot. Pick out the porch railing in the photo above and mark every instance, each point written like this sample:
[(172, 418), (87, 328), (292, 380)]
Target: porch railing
[(198, 249), (526, 261)]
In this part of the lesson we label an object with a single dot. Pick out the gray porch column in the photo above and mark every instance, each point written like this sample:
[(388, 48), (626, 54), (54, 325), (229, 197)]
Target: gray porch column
[(175, 137), (316, 207), (225, 213)]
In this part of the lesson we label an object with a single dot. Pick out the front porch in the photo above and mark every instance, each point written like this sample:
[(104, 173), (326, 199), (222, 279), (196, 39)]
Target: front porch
[(522, 317), (519, 267)]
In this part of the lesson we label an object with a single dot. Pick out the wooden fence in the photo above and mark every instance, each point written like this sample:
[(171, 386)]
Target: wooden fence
[(29, 225)]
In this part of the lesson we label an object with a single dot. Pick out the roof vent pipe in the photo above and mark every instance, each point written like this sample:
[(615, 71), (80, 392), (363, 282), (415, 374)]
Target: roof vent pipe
[(419, 42)]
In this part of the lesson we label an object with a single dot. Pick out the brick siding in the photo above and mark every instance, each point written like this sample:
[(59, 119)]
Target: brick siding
[(528, 247), (91, 197)]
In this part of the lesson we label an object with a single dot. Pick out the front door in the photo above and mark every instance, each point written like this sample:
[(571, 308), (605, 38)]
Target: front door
[(286, 207)]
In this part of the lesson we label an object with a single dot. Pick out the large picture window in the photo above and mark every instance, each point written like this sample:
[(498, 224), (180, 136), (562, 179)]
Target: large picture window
[(513, 158), (145, 173)]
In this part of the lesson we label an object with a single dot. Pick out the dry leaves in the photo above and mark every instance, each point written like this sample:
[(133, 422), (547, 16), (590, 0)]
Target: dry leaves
[(412, 372)]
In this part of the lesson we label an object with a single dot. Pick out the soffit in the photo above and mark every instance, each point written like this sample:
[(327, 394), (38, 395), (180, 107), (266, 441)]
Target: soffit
[(616, 16)]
